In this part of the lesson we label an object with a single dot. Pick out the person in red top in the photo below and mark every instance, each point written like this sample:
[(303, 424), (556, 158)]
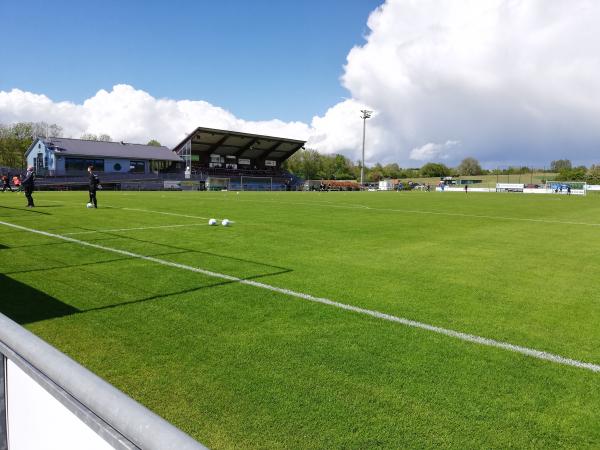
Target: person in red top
[(17, 183)]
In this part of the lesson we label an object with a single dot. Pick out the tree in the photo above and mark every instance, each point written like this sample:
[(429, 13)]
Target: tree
[(305, 164), (311, 163), (326, 167), (93, 137), (435, 170), (592, 175), (573, 174), (342, 167), (560, 164), (392, 170), (469, 166), (375, 173), (15, 139), (154, 143)]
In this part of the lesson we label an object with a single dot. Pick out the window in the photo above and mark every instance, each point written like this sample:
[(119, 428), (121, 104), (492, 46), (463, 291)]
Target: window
[(137, 166), (81, 164)]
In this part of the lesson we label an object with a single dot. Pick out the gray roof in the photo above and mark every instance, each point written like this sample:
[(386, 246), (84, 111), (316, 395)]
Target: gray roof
[(80, 147), (242, 145)]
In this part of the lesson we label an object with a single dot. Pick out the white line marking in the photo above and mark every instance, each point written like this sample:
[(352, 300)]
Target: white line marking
[(165, 213), (162, 212), (379, 315), (147, 211), (136, 228)]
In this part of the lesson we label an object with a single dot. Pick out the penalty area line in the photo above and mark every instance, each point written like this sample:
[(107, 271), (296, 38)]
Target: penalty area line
[(533, 353)]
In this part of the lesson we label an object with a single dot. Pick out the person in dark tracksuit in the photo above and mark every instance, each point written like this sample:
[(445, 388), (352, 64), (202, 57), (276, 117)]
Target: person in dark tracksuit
[(94, 181), (6, 183), (28, 183)]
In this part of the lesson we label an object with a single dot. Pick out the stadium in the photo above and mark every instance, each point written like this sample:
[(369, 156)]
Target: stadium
[(368, 224), (315, 319)]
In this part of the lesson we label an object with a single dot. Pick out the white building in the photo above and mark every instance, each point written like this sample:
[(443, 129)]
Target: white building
[(62, 156)]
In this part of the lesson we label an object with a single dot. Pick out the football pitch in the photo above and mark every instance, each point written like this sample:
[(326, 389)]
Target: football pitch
[(324, 320)]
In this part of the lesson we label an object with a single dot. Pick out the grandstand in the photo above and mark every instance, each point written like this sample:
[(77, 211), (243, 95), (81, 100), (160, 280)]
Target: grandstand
[(206, 159), (238, 161)]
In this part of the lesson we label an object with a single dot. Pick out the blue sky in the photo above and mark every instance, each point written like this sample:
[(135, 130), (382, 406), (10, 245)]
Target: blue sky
[(506, 82), (259, 59)]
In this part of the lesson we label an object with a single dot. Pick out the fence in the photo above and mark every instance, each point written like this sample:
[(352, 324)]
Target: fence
[(47, 400)]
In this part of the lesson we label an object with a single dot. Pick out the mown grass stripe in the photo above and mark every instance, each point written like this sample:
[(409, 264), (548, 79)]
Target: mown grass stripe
[(538, 354)]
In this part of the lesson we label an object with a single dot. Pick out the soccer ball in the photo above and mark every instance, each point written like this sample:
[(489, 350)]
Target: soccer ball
[(225, 222), (212, 222), (89, 205)]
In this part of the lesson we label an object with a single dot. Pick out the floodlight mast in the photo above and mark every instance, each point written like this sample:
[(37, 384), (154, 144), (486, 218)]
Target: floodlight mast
[(366, 114)]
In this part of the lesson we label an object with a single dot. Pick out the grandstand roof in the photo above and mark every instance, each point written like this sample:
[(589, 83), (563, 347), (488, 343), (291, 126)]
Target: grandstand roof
[(81, 147), (241, 145)]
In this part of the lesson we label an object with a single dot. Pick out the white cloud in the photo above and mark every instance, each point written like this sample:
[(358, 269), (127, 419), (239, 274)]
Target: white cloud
[(129, 114), (431, 151), (514, 81)]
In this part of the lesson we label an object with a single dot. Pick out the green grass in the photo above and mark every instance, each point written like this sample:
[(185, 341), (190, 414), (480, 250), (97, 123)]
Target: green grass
[(238, 366)]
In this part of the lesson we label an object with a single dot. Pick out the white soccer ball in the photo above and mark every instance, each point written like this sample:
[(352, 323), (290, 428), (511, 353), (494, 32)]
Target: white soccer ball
[(225, 222), (212, 222), (89, 205)]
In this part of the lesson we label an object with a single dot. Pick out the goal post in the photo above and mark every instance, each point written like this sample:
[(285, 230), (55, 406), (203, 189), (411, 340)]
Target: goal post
[(567, 187), (217, 184), (248, 183), (239, 183)]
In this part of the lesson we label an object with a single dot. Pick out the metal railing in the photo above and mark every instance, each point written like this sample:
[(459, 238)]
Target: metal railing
[(118, 419)]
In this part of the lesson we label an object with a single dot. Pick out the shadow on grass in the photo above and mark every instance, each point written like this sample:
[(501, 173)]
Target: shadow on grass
[(24, 304), (157, 297), (73, 266), (30, 210), (279, 269)]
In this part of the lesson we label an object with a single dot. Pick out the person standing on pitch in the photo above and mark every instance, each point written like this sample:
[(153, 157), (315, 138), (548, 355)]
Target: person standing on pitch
[(6, 183), (28, 183), (94, 181)]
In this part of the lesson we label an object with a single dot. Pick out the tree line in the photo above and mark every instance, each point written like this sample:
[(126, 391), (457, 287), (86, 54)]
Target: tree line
[(310, 164)]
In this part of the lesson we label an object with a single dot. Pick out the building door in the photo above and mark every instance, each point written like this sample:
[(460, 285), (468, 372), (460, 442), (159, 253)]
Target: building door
[(39, 163)]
